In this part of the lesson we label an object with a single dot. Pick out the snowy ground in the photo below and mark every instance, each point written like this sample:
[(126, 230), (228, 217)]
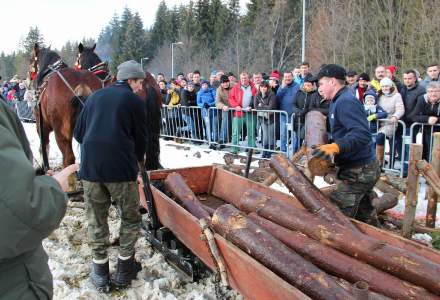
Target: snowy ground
[(69, 255)]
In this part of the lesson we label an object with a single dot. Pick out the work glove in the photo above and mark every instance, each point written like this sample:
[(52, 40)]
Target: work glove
[(371, 117), (326, 151), (206, 105)]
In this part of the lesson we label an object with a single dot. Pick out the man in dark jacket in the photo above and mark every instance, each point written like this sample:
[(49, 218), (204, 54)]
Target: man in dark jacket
[(358, 169), (111, 131), (427, 111), (31, 207), (411, 91)]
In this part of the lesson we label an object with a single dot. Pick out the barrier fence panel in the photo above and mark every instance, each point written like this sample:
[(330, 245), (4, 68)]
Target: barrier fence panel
[(422, 133), (261, 130), (391, 135), (297, 130), (246, 129)]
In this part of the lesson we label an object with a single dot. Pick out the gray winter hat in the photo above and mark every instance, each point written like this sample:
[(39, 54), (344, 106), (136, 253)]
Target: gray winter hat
[(130, 70)]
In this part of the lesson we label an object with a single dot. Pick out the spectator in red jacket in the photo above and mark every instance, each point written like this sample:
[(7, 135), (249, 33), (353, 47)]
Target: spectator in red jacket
[(240, 99)]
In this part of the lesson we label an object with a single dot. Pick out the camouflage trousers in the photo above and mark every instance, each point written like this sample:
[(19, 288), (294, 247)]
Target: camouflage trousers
[(98, 198), (354, 190)]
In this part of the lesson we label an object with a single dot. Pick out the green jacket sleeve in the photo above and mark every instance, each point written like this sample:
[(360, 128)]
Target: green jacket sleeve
[(31, 206)]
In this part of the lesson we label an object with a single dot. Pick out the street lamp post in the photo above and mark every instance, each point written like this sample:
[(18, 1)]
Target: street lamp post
[(303, 41), (172, 57), (143, 58)]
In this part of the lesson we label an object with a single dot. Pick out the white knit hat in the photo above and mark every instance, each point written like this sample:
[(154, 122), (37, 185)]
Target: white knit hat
[(386, 82), (130, 70)]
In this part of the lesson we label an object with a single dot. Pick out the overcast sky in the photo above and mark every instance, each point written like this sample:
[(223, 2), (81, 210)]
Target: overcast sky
[(63, 20)]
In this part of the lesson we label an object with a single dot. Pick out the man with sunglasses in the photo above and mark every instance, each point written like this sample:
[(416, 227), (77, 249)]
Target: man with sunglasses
[(357, 167)]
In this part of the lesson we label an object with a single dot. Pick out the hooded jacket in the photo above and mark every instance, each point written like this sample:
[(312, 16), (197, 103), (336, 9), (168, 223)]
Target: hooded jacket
[(205, 98)]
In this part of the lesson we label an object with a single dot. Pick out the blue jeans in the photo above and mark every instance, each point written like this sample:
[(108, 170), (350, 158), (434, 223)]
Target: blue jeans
[(224, 133), (190, 123), (284, 136), (211, 126)]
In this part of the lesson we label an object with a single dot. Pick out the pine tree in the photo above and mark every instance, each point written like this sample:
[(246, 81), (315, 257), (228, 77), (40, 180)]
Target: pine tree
[(33, 36), (118, 55), (135, 43), (163, 27)]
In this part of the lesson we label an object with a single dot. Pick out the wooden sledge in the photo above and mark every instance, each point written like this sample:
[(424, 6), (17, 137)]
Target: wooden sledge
[(251, 279)]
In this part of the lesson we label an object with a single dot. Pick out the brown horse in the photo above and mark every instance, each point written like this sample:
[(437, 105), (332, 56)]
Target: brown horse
[(87, 59), (62, 93)]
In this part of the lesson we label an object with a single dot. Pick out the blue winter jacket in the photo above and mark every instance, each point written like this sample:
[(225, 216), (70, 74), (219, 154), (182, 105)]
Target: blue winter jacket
[(206, 97), (350, 131), (286, 97)]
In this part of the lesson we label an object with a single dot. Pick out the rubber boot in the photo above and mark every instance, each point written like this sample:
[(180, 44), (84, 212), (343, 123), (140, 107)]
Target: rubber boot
[(100, 277), (380, 154), (126, 271)]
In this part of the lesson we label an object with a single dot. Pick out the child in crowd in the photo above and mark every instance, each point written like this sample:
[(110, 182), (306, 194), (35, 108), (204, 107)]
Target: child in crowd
[(374, 112)]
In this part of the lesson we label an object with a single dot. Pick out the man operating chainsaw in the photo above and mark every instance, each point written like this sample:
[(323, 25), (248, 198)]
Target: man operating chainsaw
[(357, 167)]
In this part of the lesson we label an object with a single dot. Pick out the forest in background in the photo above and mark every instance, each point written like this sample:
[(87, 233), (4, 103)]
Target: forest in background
[(357, 34)]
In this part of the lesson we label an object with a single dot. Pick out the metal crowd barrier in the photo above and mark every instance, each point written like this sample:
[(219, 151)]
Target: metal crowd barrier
[(396, 160), (24, 110), (422, 133), (251, 129)]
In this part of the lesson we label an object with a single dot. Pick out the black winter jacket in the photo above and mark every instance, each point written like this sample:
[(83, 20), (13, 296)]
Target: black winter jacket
[(112, 132), (188, 98), (424, 109), (409, 97)]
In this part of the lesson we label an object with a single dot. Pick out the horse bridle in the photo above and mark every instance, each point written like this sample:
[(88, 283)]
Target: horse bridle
[(97, 69)]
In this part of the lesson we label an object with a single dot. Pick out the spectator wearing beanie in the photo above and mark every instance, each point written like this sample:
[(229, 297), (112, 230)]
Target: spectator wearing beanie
[(274, 81), (351, 78), (390, 72), (222, 103), (361, 86), (391, 101), (111, 129), (205, 100)]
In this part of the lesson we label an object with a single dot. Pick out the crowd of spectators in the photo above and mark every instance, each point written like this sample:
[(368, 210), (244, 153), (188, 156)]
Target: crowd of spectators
[(386, 99)]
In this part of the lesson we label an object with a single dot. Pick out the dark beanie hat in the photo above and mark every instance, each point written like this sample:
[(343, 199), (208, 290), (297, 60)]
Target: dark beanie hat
[(364, 76), (224, 78)]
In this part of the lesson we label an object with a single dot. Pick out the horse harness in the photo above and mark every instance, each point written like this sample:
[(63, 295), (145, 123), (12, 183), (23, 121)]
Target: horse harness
[(98, 69), (51, 69)]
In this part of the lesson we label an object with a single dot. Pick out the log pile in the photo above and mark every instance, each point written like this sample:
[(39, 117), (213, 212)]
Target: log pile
[(317, 249)]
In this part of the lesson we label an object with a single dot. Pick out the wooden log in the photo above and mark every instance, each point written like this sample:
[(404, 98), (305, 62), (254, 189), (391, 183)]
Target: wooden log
[(307, 193), (417, 227), (430, 175), (431, 210), (295, 158), (241, 231), (178, 187), (384, 187), (412, 189), (316, 134), (384, 202), (396, 182), (342, 265), (403, 264)]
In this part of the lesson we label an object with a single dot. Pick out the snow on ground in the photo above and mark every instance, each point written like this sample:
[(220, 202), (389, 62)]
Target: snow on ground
[(70, 256)]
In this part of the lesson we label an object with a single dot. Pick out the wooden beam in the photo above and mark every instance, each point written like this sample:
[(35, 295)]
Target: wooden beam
[(412, 188)]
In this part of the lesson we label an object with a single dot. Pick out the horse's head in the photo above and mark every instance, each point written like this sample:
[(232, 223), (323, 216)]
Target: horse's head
[(87, 59), (41, 58)]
